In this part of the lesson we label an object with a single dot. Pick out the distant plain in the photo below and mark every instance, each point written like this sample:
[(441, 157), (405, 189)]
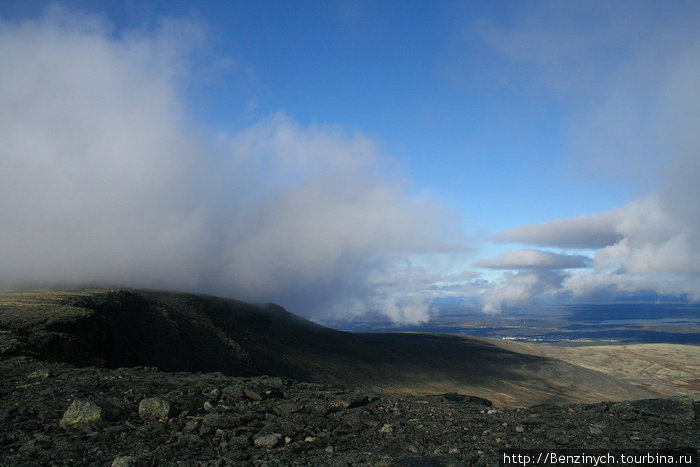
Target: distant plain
[(655, 347)]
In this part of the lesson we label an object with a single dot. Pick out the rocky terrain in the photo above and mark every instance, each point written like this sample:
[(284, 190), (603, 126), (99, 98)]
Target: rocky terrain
[(83, 383), (56, 414)]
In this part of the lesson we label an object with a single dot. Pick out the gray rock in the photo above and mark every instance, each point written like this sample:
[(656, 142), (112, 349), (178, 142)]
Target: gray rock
[(191, 426), (254, 393), (39, 374), (276, 383), (596, 429), (232, 393), (154, 407), (221, 420), (215, 394), (386, 428), (283, 408), (82, 414), (124, 461), (190, 439), (268, 441), (206, 430)]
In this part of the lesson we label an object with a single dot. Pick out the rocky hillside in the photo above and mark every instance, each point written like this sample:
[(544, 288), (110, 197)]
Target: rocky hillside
[(55, 414), (195, 333), (83, 384)]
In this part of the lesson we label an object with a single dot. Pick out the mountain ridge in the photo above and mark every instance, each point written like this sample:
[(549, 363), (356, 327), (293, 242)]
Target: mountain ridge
[(200, 333)]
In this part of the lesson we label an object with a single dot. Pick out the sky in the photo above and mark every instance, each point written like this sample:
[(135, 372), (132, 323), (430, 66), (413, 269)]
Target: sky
[(348, 159)]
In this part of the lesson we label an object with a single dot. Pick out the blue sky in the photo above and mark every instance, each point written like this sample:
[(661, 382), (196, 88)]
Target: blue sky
[(344, 158)]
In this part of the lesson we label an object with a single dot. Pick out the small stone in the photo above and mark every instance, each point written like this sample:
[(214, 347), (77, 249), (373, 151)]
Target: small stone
[(191, 426), (338, 404), (287, 440), (154, 407), (386, 428), (124, 461), (81, 414), (329, 449), (276, 383), (284, 408), (208, 406), (268, 441), (218, 420), (359, 400), (519, 429), (190, 439), (39, 374), (253, 394), (412, 448), (595, 430), (309, 439), (232, 393), (205, 430)]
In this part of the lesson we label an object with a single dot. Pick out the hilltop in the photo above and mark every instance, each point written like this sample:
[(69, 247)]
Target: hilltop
[(198, 333)]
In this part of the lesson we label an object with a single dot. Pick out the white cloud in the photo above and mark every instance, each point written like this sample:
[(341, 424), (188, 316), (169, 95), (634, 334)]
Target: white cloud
[(521, 288), (624, 71), (629, 77), (652, 250), (103, 183)]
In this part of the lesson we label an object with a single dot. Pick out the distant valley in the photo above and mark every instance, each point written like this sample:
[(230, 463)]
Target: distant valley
[(654, 346), (671, 323)]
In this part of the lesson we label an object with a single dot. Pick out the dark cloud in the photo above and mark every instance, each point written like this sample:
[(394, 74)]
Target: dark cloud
[(594, 231), (534, 259)]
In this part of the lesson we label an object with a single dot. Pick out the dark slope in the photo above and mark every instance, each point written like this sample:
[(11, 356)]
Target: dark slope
[(196, 333)]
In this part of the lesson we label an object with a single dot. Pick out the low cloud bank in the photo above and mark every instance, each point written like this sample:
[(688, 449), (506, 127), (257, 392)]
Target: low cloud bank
[(534, 259), (634, 122), (102, 183)]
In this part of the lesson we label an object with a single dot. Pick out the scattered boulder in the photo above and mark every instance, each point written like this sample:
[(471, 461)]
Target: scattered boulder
[(82, 414), (155, 408), (312, 425)]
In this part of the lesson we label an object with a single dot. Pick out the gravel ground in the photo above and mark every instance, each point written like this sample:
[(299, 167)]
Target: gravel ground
[(57, 414)]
